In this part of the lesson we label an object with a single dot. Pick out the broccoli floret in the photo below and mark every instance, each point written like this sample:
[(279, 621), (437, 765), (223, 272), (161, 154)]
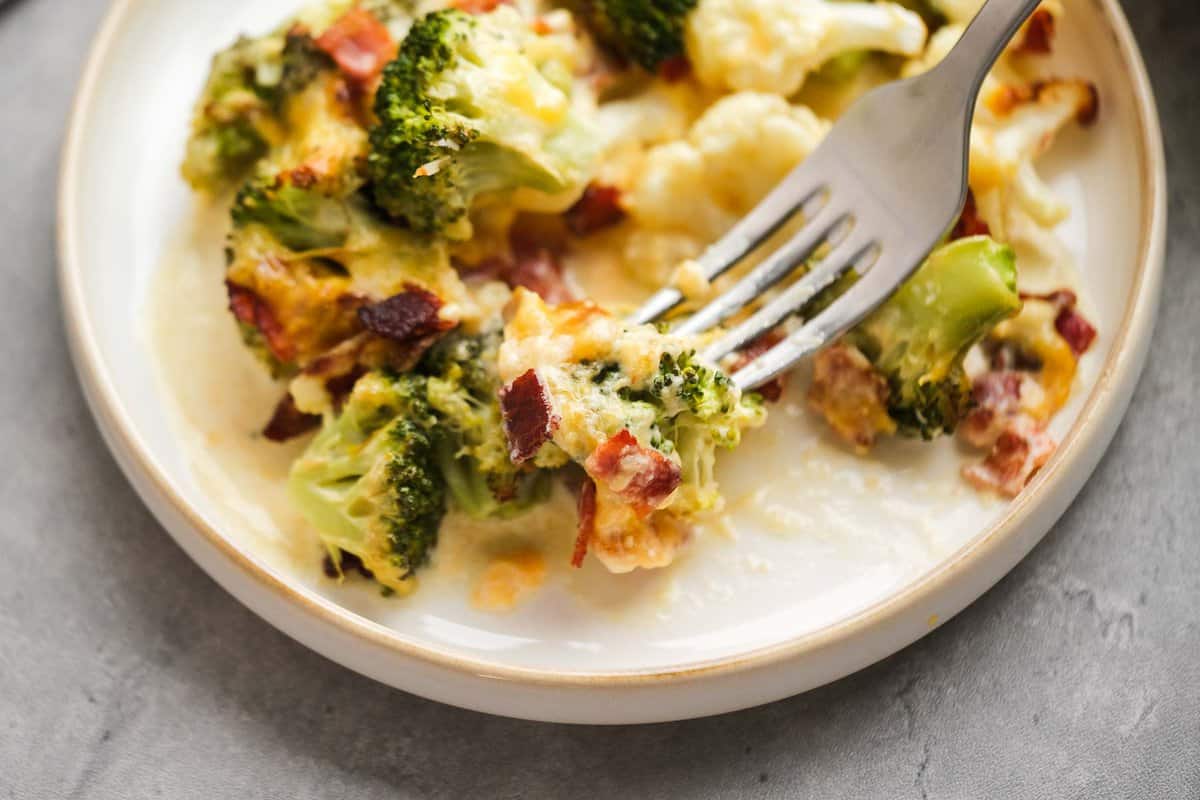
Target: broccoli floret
[(647, 32), (698, 410), (919, 337), (238, 111), (465, 110), (473, 451), (369, 480), (376, 479), (300, 218)]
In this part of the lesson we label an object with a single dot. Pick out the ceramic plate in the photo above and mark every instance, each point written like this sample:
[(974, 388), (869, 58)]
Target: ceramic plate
[(830, 562)]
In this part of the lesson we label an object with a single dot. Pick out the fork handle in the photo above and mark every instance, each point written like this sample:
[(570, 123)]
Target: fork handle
[(984, 40)]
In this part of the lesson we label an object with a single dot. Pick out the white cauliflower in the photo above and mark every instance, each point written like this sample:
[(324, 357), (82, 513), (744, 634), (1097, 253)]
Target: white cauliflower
[(772, 45), (1015, 122), (1044, 18), (1003, 149), (688, 193), (738, 150)]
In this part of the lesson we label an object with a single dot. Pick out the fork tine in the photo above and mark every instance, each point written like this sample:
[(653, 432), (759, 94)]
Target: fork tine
[(848, 310), (799, 188), (771, 271), (845, 255)]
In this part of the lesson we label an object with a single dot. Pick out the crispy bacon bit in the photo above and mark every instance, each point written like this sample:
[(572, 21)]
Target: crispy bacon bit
[(1077, 331), (535, 264), (642, 476), (675, 69), (1019, 452), (340, 386), (969, 223), (406, 317), (477, 6), (302, 177), (772, 391), (539, 271), (851, 395), (1037, 34), (1072, 326), (997, 399), (587, 521), (598, 208), (288, 422), (252, 310), (529, 418), (359, 43)]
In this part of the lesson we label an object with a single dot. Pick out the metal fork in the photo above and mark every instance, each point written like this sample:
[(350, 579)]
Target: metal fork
[(879, 193)]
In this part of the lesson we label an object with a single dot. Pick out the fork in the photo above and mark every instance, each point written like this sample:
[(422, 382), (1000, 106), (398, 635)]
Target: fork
[(877, 195)]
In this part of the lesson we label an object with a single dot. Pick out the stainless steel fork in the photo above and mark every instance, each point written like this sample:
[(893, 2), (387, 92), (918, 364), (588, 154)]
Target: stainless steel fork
[(879, 192)]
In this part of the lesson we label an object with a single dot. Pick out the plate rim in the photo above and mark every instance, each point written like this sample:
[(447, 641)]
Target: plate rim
[(1086, 440)]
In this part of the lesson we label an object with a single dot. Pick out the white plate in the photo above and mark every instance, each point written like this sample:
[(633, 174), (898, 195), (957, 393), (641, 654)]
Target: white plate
[(837, 563)]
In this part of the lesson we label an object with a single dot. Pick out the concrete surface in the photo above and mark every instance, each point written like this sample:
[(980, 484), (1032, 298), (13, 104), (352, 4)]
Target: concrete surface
[(126, 673)]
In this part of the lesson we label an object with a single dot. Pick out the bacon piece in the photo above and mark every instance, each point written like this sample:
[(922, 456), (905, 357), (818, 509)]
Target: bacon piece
[(252, 310), (997, 399), (1037, 34), (340, 386), (771, 391), (851, 395), (529, 418), (1075, 329), (534, 264), (477, 6), (359, 43), (406, 317), (1019, 452), (599, 207), (969, 222), (675, 69), (288, 422), (1072, 326), (641, 476), (587, 521), (540, 271)]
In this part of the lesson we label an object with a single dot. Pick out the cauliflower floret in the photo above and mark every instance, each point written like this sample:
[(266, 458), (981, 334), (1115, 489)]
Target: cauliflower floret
[(733, 156), (1002, 154), (687, 193), (772, 45), (1015, 122)]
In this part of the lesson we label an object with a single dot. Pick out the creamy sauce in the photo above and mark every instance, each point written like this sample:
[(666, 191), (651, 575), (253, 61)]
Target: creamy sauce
[(821, 501), (508, 579)]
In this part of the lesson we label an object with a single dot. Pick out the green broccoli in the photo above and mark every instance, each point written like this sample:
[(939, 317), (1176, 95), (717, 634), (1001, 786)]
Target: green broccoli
[(301, 218), (376, 479), (369, 480), (698, 409), (648, 32), (466, 110), (919, 337), (241, 103), (472, 449)]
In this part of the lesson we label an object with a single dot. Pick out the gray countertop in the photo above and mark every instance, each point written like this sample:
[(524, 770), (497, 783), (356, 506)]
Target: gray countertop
[(126, 673)]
